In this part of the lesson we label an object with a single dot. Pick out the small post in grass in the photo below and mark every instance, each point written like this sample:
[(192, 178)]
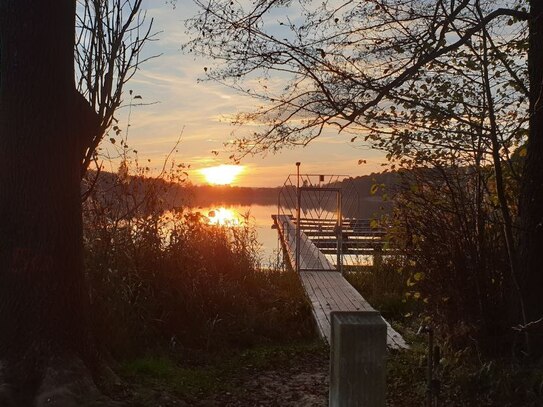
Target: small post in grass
[(357, 353)]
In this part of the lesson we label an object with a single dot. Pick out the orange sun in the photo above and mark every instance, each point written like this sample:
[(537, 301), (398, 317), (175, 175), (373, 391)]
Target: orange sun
[(222, 174)]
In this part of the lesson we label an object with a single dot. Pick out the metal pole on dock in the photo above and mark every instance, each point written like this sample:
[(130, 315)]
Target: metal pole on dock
[(339, 233), (279, 246), (298, 204)]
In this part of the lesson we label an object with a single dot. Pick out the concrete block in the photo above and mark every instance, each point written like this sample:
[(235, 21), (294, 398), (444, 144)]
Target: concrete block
[(357, 359)]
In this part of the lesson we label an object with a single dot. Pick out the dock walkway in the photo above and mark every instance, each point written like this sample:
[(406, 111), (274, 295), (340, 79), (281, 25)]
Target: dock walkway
[(325, 287), (329, 291), (311, 258)]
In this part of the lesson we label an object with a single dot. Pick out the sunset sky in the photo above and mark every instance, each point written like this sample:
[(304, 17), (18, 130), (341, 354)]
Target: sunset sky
[(201, 110)]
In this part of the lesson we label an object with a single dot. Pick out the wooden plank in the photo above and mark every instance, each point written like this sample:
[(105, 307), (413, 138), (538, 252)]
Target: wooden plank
[(333, 287), (345, 233), (330, 244), (351, 303), (320, 312), (329, 291)]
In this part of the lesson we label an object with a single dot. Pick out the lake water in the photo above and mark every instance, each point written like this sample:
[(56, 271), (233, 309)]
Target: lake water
[(259, 216)]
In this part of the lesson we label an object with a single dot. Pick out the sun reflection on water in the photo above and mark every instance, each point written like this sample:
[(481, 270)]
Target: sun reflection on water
[(224, 217)]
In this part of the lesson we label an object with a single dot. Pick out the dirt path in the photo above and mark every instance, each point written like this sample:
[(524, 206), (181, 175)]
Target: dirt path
[(304, 384), (282, 378)]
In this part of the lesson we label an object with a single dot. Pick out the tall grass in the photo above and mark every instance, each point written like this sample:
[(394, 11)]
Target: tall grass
[(170, 279)]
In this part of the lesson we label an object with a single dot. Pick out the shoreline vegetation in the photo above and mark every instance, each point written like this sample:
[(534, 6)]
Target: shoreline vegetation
[(172, 193), (191, 317)]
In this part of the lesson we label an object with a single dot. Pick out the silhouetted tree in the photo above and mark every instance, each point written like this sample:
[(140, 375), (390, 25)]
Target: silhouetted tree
[(110, 37), (401, 75), (47, 130)]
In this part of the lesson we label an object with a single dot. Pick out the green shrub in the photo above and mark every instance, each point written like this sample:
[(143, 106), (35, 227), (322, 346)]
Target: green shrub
[(384, 286)]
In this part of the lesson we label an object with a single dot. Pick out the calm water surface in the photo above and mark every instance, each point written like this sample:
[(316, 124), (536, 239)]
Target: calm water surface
[(258, 216)]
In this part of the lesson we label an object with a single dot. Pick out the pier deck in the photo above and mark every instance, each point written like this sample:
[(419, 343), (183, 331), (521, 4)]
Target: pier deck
[(311, 258), (329, 291), (325, 287)]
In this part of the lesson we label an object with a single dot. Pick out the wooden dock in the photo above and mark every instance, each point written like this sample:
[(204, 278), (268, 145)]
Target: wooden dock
[(329, 291), (325, 287)]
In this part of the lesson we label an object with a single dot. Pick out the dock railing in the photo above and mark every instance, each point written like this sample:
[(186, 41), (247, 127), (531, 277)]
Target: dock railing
[(327, 209)]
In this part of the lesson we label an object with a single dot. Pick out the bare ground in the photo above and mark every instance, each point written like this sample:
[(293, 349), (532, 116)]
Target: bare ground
[(304, 384), (300, 382)]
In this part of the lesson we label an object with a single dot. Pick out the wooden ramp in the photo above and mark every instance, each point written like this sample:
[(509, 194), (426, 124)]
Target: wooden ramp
[(326, 288), (329, 291), (311, 258)]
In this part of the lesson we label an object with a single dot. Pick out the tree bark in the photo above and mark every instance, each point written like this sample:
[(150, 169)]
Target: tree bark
[(43, 299), (531, 202)]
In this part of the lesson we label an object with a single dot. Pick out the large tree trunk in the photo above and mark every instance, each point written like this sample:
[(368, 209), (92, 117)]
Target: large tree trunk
[(43, 328), (531, 204)]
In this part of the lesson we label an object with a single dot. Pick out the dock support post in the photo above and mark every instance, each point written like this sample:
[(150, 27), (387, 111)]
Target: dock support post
[(377, 258), (357, 365)]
